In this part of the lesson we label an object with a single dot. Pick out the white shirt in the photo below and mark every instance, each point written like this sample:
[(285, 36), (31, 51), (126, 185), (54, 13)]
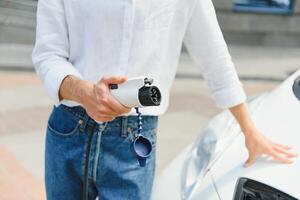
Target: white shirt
[(90, 39)]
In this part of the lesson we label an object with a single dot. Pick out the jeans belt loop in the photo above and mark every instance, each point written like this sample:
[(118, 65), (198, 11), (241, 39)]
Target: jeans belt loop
[(124, 133)]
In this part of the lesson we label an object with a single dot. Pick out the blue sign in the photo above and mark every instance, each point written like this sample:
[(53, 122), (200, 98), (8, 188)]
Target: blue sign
[(265, 6)]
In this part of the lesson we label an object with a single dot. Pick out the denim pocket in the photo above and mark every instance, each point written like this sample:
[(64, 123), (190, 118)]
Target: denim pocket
[(63, 122)]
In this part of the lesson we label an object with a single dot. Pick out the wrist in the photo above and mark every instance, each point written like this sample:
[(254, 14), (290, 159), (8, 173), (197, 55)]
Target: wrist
[(75, 89), (84, 90), (249, 130)]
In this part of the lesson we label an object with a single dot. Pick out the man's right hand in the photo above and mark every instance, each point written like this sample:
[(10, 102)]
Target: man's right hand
[(95, 98)]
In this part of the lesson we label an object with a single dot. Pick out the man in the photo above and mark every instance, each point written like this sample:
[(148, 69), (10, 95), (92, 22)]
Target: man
[(82, 46)]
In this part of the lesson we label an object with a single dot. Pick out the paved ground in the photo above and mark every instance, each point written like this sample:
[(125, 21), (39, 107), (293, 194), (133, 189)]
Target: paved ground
[(25, 106)]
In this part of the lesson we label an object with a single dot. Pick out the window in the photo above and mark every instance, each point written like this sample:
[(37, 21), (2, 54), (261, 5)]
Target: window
[(265, 6)]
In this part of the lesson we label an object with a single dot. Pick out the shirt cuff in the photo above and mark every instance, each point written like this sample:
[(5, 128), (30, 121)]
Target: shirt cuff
[(230, 97), (55, 76)]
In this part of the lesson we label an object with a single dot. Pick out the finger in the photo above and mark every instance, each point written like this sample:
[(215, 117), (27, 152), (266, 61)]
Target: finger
[(101, 115), (106, 110), (104, 119), (251, 158), (107, 100), (113, 79), (117, 106), (278, 157), (285, 152), (282, 146)]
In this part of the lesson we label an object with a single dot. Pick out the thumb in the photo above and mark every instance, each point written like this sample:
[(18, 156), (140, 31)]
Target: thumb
[(251, 159), (113, 79)]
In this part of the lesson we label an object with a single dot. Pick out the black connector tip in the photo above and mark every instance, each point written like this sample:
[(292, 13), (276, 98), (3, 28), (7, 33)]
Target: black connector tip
[(149, 96)]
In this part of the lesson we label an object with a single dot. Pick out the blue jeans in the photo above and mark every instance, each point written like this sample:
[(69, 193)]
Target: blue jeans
[(114, 171)]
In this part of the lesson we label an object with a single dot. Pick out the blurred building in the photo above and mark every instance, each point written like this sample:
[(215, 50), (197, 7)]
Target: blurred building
[(260, 22), (17, 21), (246, 22)]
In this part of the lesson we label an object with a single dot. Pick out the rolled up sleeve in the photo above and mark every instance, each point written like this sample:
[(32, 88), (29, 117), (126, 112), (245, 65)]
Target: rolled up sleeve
[(207, 47), (50, 55)]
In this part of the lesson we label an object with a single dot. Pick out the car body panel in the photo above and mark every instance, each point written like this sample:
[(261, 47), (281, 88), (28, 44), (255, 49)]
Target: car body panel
[(215, 160), (168, 185), (280, 176), (277, 118)]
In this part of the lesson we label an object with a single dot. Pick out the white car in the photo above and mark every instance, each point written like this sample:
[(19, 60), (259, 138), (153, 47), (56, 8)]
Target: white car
[(212, 167)]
